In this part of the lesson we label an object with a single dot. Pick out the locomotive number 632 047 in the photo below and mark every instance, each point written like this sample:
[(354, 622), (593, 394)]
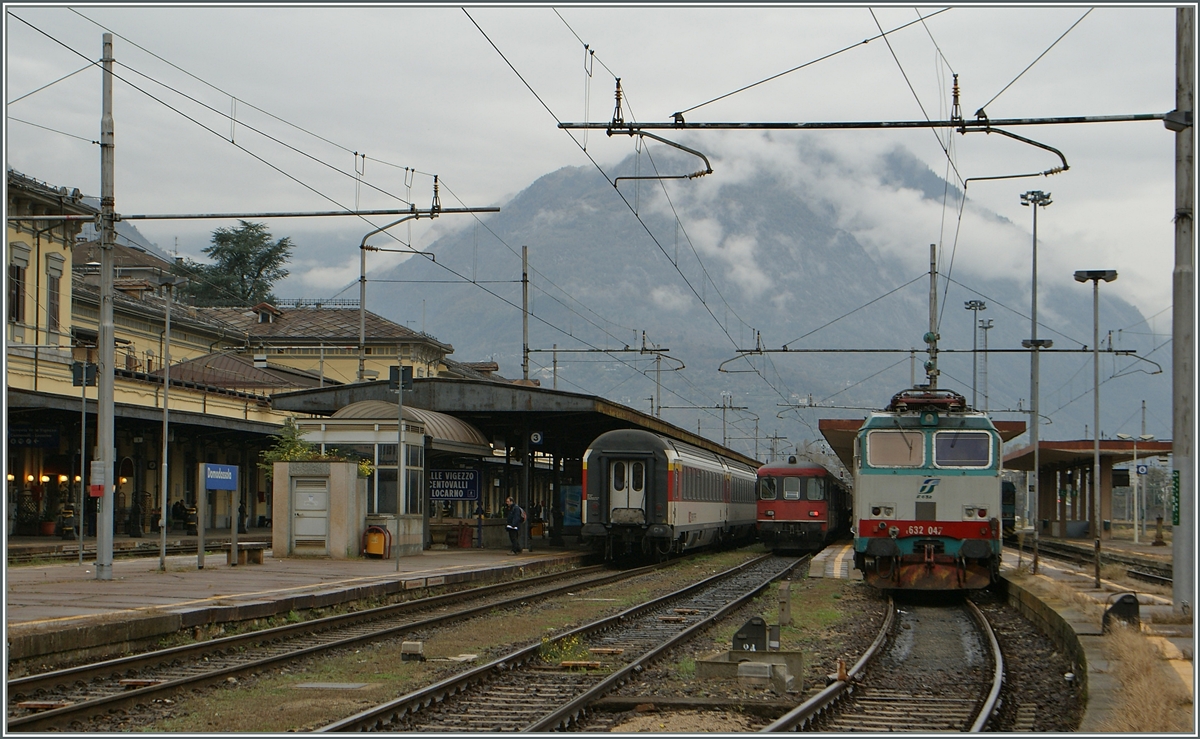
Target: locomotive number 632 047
[(924, 531)]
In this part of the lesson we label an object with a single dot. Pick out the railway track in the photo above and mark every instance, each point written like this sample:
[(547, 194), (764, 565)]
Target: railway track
[(529, 692), (62, 699), (1141, 568), (932, 668)]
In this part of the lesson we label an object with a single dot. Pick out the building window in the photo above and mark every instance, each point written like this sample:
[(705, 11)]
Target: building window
[(16, 293), (52, 303)]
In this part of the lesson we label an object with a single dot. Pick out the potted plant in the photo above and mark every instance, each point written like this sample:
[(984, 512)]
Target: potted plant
[(49, 520)]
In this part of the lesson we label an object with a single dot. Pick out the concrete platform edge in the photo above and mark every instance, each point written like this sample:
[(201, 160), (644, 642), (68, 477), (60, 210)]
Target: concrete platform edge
[(106, 638), (1079, 639)]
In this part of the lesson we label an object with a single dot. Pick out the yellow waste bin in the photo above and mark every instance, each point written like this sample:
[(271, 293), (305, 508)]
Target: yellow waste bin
[(375, 541)]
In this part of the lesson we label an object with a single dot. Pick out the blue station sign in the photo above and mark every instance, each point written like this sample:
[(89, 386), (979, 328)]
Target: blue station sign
[(454, 484), (220, 477)]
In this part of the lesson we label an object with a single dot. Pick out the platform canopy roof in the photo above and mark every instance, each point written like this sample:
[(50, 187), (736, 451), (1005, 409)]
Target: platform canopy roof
[(1056, 455), (505, 412), (840, 433)]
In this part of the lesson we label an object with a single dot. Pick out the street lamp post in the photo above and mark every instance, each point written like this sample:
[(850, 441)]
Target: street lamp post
[(169, 284), (974, 306), (1036, 199), (1094, 276), (985, 325)]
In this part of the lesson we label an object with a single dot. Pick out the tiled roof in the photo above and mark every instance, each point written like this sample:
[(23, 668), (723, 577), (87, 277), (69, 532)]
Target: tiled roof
[(154, 305), (72, 199), (228, 370), (84, 252), (332, 325)]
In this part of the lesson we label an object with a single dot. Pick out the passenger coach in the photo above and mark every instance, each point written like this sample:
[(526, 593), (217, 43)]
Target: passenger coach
[(647, 495)]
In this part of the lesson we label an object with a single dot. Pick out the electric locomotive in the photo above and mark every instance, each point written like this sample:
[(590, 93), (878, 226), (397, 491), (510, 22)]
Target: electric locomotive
[(802, 506), (647, 495), (927, 494)]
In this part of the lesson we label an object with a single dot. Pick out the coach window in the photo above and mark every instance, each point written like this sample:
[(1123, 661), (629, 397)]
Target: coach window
[(618, 476), (895, 449), (766, 488), (791, 488), (962, 448), (637, 477), (814, 490)]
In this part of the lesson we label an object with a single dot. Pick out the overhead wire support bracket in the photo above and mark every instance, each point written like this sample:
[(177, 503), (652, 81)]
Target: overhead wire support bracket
[(986, 127), (617, 125)]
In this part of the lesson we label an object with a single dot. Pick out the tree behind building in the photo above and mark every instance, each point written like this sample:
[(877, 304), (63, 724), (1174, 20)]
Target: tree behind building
[(246, 265)]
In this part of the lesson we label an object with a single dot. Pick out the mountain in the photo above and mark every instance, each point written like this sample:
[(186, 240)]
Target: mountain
[(810, 247)]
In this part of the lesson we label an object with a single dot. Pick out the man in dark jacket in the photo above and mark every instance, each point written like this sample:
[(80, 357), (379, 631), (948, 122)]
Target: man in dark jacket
[(516, 516)]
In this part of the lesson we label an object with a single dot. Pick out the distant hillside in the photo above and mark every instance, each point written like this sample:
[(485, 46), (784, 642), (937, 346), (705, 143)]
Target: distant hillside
[(780, 256)]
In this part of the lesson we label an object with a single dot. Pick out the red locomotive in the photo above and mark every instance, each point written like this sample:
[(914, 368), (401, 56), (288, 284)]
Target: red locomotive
[(802, 506)]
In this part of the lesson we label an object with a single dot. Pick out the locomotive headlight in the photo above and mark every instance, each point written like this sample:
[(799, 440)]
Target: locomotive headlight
[(888, 511), (968, 511), (770, 514), (982, 513), (813, 514), (876, 510)]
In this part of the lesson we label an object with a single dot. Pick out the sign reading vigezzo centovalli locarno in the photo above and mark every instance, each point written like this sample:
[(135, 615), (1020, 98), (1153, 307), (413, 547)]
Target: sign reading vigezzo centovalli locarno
[(454, 484)]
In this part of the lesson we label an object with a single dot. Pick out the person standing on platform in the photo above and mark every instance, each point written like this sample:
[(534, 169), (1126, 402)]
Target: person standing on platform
[(516, 516)]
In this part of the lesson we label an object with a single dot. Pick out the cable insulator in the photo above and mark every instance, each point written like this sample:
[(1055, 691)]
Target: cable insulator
[(618, 118)]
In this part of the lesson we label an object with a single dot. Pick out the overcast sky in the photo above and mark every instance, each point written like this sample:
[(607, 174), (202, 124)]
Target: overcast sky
[(424, 88)]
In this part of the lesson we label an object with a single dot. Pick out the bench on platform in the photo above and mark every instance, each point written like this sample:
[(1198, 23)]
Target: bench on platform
[(250, 553)]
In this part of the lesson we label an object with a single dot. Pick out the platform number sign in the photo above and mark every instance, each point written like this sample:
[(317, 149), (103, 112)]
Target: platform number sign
[(536, 438), (1174, 497), (1143, 469)]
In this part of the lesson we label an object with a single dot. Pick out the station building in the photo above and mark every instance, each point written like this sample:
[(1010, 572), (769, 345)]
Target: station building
[(226, 363)]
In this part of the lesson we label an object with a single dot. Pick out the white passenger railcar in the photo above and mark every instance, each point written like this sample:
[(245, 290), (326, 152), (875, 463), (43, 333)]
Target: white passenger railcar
[(647, 495)]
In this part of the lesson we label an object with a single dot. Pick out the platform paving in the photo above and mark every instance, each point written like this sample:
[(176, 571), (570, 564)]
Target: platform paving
[(62, 607), (1175, 642)]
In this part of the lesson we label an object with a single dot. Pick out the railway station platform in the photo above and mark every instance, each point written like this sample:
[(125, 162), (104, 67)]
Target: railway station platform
[(62, 609), (1059, 595)]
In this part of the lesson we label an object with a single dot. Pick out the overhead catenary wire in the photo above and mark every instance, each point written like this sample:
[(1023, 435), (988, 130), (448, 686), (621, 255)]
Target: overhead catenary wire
[(52, 130), (51, 84), (810, 63), (983, 107), (633, 207), (224, 92), (238, 146), (692, 287)]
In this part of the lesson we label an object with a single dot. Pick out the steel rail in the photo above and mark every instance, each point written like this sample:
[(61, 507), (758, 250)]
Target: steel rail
[(989, 704), (1159, 571), (57, 717), (805, 713), (798, 717), (392, 711), (564, 716)]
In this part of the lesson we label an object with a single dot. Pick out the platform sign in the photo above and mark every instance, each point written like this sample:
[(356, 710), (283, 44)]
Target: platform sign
[(454, 484), (220, 477), (26, 435), (572, 505), (97, 476), (1143, 469)]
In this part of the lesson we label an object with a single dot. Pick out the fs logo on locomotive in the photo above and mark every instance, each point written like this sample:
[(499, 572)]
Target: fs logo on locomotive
[(928, 485)]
